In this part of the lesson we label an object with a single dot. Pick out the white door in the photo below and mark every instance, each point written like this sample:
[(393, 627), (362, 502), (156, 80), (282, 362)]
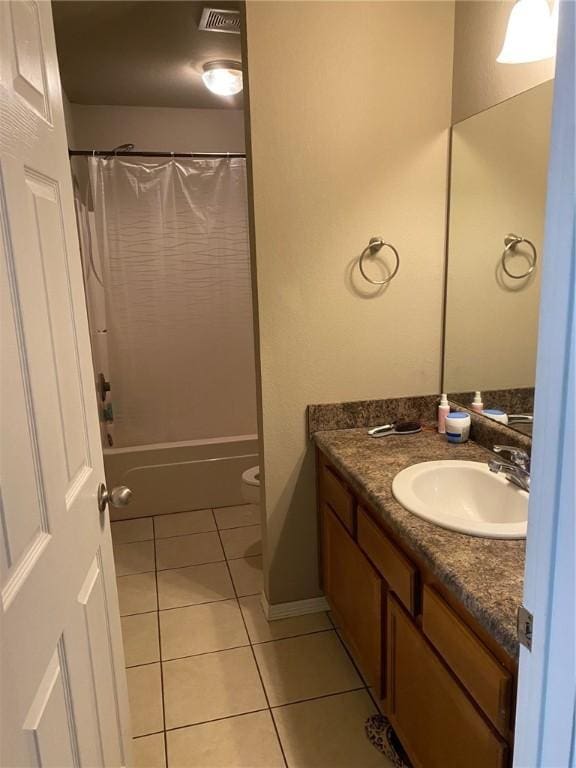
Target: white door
[(63, 688)]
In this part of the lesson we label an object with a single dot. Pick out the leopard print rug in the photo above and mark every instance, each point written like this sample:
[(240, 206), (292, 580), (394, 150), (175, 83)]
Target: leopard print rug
[(381, 735)]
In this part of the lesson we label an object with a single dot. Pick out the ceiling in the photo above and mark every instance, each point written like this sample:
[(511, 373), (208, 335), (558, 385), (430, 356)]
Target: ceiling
[(140, 53)]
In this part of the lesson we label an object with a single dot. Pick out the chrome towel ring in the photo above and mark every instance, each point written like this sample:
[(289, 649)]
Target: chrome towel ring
[(511, 241), (375, 245)]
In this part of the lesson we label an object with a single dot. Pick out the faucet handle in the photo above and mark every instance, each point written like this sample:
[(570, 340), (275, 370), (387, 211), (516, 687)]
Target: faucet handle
[(517, 455)]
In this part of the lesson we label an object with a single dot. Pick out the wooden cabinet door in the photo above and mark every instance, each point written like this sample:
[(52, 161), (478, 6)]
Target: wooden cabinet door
[(354, 590), (435, 720)]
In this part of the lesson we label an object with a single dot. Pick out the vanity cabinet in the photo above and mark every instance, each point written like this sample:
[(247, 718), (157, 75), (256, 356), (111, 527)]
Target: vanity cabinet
[(445, 686)]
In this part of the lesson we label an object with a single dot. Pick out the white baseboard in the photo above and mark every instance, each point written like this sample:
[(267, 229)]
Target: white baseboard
[(296, 608)]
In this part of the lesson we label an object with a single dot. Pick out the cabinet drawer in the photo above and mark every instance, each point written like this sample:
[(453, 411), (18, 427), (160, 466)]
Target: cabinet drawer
[(435, 720), (477, 669), (394, 566), (339, 499)]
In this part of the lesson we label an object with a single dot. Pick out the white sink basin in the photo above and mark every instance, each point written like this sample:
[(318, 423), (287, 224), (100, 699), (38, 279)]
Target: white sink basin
[(463, 496)]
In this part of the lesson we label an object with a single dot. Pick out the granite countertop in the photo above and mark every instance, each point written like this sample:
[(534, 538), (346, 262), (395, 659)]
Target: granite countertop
[(486, 575)]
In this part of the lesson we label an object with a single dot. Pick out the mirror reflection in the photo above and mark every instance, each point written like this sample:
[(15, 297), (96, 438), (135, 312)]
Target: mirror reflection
[(499, 166)]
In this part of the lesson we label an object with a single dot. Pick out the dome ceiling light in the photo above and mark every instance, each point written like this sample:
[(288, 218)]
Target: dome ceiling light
[(224, 78)]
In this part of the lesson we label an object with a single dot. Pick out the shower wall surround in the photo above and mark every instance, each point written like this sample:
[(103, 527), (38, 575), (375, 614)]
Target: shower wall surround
[(173, 243)]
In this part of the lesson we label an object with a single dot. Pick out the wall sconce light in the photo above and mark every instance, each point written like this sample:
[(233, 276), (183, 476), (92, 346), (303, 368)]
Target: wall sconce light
[(530, 34)]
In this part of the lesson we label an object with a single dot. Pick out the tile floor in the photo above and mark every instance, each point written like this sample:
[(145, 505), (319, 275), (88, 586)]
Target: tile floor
[(212, 683)]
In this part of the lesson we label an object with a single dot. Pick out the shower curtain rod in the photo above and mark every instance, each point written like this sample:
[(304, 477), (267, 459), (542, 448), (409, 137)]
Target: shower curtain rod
[(135, 153)]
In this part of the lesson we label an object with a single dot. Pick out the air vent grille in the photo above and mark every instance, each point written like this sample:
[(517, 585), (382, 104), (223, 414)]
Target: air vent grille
[(215, 20)]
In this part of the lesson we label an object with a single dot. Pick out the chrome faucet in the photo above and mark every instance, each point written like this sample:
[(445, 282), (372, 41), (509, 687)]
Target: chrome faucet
[(520, 418), (517, 469)]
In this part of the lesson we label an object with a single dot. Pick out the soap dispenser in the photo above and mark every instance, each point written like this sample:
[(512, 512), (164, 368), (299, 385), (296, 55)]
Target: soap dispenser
[(477, 404), (443, 411)]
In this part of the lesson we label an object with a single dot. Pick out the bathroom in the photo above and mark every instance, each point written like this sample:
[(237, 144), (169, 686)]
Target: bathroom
[(279, 233)]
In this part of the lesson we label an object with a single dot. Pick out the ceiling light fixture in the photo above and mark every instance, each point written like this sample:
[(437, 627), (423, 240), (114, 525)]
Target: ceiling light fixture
[(530, 34), (224, 78)]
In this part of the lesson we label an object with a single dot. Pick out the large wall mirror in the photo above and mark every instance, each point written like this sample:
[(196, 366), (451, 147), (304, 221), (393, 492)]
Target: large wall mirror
[(496, 229)]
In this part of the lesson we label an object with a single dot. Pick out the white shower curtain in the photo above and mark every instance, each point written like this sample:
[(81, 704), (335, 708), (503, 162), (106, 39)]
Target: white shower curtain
[(173, 242)]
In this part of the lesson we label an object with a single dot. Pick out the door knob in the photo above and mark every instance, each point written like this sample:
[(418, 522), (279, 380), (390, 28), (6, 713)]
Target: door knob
[(118, 497), (102, 386)]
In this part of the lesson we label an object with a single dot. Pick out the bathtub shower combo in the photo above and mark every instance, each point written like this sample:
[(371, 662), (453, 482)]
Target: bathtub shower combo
[(165, 253)]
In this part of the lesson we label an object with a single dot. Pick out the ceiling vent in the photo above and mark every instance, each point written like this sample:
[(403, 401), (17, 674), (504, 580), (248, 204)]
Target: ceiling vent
[(215, 20)]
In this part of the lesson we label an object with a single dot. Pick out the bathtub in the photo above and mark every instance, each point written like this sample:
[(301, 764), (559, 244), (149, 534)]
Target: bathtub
[(175, 477)]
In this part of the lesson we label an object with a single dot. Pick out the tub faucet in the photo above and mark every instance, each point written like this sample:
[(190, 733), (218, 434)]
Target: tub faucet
[(517, 469)]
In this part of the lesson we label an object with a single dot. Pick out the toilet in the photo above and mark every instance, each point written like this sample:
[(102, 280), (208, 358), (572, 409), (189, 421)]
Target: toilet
[(251, 485)]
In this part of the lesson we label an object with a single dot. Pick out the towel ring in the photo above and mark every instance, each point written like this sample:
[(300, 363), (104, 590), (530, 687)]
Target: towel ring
[(511, 241), (375, 245)]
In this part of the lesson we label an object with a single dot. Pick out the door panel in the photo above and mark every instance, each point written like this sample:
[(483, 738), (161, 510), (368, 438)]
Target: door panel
[(92, 599), (421, 690), (63, 697), (29, 78), (50, 722), (355, 592), (46, 223)]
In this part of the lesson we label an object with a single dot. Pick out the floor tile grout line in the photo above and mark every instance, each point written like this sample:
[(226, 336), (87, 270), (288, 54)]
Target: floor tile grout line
[(243, 557), (181, 512), (160, 646), (317, 698), (237, 527), (177, 567), (144, 735), (215, 720), (135, 573), (231, 647), (187, 605), (144, 664), (373, 699), (254, 655), (198, 605), (290, 637), (204, 602), (136, 541), (190, 565), (356, 667), (139, 613), (184, 533), (190, 533), (205, 653), (354, 664), (270, 709)]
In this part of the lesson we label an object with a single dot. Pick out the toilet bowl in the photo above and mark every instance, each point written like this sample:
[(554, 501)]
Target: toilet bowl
[(251, 485)]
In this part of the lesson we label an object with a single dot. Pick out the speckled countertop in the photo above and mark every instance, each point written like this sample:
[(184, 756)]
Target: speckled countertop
[(485, 574)]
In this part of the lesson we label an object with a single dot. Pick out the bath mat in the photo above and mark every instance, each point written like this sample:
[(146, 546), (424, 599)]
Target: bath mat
[(381, 735)]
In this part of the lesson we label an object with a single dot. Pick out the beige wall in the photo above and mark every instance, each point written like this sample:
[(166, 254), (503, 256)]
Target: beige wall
[(499, 177), (158, 128), (479, 81), (350, 110)]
